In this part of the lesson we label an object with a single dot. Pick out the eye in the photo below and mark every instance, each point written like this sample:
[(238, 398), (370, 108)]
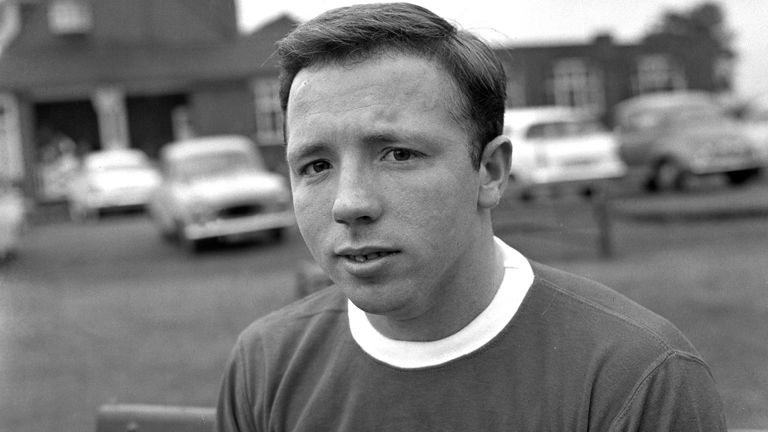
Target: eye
[(400, 154), (315, 167)]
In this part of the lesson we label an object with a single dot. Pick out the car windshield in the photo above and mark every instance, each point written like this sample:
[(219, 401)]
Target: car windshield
[(115, 162), (694, 114), (212, 165), (562, 129)]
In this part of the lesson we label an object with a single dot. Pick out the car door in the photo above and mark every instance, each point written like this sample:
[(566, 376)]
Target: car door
[(637, 133)]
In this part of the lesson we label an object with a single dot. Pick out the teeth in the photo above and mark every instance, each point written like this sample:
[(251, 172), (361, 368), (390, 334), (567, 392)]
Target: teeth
[(364, 258)]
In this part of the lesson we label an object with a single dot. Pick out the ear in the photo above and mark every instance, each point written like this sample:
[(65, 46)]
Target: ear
[(494, 171)]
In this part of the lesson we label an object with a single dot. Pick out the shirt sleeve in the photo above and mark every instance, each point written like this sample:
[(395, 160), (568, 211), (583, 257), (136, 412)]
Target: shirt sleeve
[(235, 408), (677, 394)]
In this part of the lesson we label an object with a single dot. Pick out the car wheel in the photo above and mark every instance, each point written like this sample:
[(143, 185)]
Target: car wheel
[(669, 175), (169, 236), (168, 231), (526, 195), (189, 245), (186, 243), (743, 176), (80, 214), (277, 234)]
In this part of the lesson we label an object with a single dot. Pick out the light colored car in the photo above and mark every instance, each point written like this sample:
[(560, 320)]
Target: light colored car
[(754, 118), (110, 180), (667, 139), (557, 145), (13, 220), (219, 188)]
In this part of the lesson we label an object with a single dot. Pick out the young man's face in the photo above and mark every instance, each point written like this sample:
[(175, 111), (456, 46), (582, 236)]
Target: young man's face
[(385, 194)]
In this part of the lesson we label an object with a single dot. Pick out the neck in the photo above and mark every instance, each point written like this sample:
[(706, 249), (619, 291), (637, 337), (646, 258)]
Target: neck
[(472, 291)]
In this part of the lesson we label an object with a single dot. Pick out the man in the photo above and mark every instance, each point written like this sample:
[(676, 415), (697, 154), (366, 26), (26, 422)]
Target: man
[(393, 124)]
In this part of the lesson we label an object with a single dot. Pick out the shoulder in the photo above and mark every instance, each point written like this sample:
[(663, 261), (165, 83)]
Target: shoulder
[(318, 312), (639, 361), (590, 301)]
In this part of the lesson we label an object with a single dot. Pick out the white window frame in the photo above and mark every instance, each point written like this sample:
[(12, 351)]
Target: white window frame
[(70, 17), (577, 83), (10, 23), (11, 158), (269, 116), (657, 72)]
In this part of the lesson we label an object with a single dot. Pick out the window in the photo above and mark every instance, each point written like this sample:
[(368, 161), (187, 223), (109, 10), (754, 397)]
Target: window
[(70, 17), (515, 86), (574, 82), (657, 73), (642, 121), (723, 72), (269, 117), (562, 129)]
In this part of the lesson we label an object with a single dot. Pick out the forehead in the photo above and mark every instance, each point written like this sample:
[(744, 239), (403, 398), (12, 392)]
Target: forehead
[(383, 85)]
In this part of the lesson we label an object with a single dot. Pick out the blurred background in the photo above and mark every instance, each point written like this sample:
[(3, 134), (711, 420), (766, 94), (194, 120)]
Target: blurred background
[(145, 214)]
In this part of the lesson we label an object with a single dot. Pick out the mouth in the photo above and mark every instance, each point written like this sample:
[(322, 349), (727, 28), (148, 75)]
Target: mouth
[(363, 258)]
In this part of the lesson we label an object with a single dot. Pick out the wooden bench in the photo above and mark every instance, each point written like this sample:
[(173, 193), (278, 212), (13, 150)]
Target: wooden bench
[(154, 418), (164, 418)]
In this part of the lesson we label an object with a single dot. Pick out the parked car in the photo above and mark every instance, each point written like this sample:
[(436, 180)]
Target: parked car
[(559, 145), (754, 118), (668, 138), (218, 188), (13, 220), (111, 180)]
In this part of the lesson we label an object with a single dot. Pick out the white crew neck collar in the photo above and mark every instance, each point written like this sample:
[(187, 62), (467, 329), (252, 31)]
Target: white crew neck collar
[(518, 277)]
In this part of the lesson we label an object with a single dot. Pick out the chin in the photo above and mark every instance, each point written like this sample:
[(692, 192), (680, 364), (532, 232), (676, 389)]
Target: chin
[(377, 300)]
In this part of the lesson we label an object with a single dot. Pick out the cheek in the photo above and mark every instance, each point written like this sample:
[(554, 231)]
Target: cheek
[(312, 212), (438, 206)]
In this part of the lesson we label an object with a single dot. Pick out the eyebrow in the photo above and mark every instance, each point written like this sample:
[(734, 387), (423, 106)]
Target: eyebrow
[(307, 150), (371, 139), (381, 138), (377, 138)]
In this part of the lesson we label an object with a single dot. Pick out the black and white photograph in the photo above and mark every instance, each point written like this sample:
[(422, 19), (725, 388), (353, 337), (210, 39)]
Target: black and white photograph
[(351, 215)]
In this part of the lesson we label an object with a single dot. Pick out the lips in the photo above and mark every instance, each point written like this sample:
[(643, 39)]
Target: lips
[(361, 258), (365, 254)]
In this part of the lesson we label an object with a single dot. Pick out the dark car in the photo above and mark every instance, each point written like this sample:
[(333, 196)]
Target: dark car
[(666, 139)]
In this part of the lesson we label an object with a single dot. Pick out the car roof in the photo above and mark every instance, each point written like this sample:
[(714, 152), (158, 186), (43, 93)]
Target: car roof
[(522, 117), (205, 145), (758, 102), (665, 101), (109, 157)]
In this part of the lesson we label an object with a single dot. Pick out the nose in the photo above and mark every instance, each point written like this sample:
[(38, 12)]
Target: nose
[(356, 200)]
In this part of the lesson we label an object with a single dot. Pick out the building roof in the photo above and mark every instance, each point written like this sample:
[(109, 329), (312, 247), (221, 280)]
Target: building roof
[(79, 63)]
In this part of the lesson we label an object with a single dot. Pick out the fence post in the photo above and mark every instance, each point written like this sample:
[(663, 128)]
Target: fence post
[(602, 215)]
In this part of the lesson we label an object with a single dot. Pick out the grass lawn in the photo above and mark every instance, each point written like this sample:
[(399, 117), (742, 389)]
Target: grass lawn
[(134, 341), (717, 294), (708, 275)]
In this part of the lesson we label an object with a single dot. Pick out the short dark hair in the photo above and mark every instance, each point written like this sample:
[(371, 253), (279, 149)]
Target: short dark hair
[(360, 32)]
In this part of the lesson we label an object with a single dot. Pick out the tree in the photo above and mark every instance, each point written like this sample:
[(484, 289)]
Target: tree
[(703, 22), (700, 34)]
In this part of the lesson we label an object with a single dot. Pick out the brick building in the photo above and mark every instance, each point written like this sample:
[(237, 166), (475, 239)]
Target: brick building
[(127, 73), (138, 73), (600, 74)]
